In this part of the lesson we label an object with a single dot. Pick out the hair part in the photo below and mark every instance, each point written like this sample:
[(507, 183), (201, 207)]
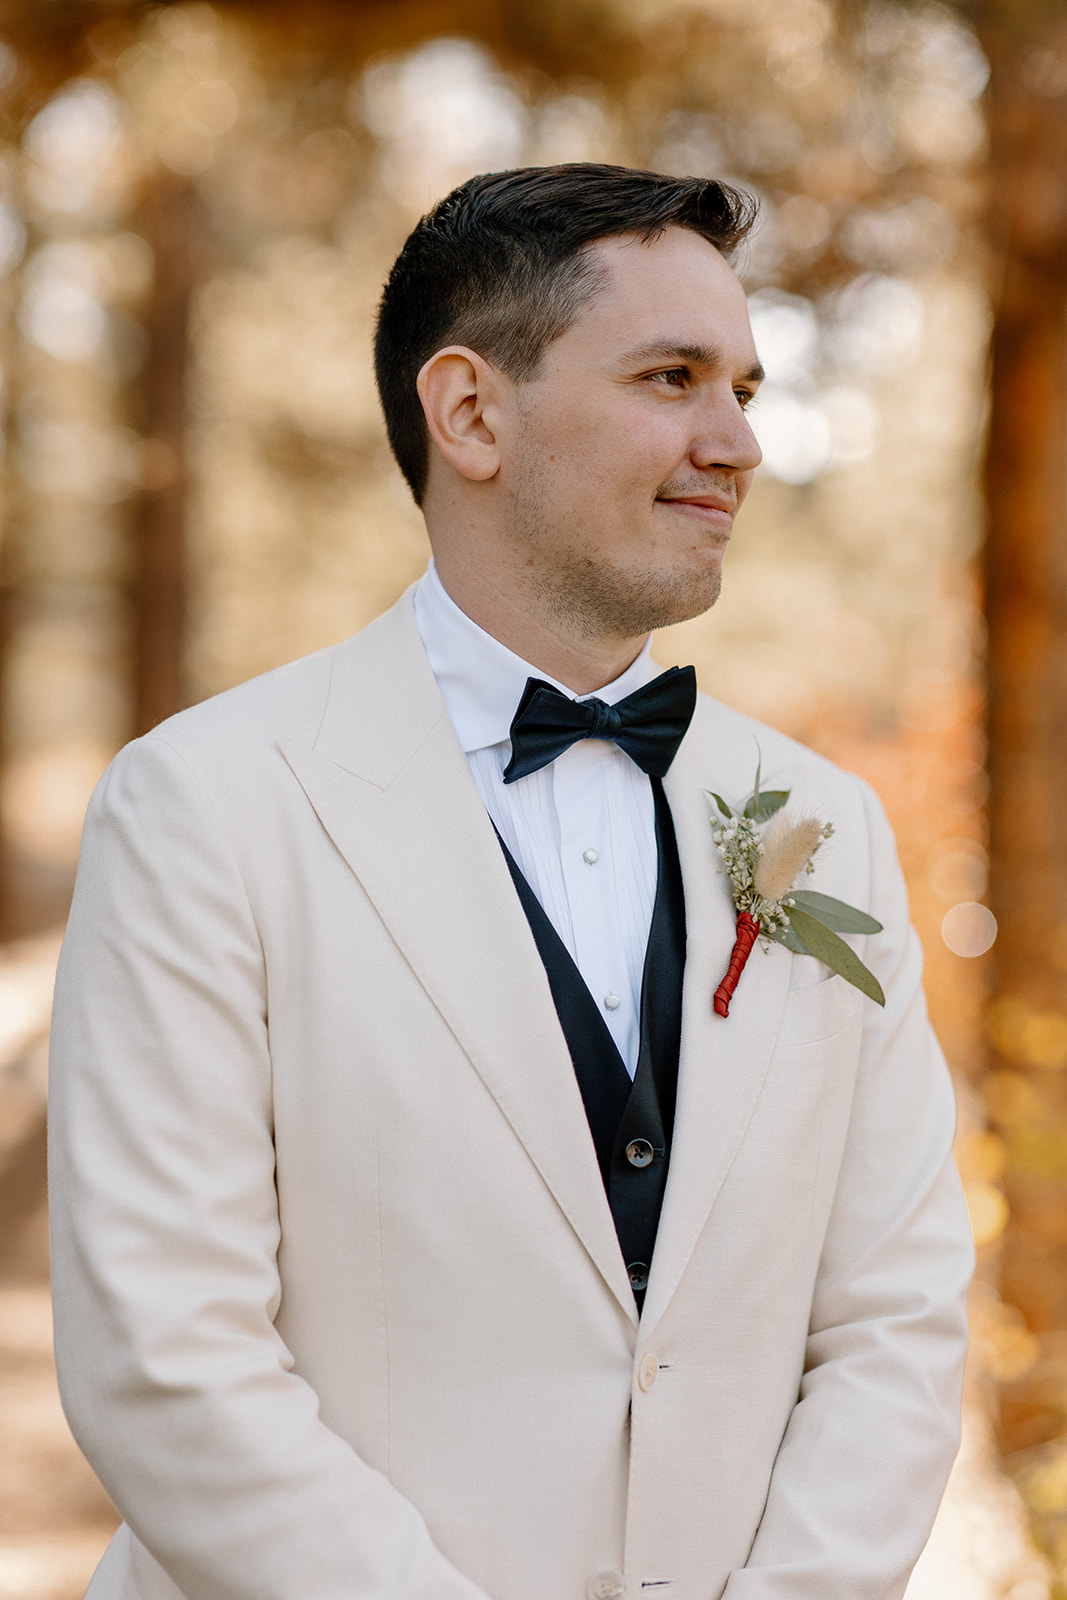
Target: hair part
[(501, 266)]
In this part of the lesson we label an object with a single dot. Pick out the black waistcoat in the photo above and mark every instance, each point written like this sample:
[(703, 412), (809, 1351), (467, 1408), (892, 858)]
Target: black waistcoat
[(631, 1122)]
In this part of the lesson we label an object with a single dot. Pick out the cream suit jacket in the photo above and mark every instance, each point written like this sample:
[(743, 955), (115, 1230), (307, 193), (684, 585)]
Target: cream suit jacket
[(340, 1310)]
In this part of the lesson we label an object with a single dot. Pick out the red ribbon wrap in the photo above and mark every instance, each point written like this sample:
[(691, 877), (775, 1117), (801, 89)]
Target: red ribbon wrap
[(747, 933)]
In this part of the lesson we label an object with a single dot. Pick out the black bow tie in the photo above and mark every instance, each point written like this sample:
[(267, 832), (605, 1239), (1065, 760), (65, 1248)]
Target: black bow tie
[(649, 724)]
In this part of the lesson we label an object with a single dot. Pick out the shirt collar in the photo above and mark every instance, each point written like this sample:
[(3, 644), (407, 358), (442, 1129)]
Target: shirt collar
[(480, 679)]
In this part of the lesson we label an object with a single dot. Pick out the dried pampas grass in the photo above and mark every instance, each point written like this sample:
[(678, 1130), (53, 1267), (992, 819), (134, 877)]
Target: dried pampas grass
[(788, 846)]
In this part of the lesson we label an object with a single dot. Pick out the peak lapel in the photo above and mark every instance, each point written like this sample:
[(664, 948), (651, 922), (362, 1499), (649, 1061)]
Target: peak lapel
[(391, 786), (723, 1060)]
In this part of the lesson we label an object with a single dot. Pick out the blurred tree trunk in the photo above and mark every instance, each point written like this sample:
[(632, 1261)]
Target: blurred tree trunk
[(1026, 573), (171, 219)]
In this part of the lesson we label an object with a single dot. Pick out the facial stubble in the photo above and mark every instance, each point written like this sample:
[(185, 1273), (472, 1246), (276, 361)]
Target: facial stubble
[(590, 598)]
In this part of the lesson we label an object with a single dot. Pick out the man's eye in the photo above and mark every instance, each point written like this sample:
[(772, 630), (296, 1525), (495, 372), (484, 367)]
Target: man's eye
[(675, 377), (745, 398)]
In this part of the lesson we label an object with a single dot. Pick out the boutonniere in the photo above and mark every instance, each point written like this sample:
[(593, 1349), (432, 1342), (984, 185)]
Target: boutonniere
[(763, 853)]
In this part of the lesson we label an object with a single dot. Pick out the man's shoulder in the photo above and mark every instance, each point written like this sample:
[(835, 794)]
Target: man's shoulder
[(291, 701), (728, 746), (717, 727), (725, 748), (287, 701)]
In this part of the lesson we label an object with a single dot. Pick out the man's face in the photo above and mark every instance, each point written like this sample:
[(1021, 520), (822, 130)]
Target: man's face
[(629, 454)]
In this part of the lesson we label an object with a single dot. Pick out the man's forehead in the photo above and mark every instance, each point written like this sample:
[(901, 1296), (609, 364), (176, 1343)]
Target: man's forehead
[(675, 294), (673, 259)]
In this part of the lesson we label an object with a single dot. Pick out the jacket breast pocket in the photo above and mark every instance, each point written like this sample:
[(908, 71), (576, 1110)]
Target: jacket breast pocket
[(818, 1012)]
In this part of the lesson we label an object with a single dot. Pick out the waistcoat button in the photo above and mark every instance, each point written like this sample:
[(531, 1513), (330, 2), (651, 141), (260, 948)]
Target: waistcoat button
[(639, 1153), (638, 1274)]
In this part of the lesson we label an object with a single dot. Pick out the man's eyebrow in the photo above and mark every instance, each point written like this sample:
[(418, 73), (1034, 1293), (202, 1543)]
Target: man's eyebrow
[(704, 355)]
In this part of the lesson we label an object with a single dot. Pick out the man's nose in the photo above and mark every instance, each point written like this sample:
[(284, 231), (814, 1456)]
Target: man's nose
[(727, 441)]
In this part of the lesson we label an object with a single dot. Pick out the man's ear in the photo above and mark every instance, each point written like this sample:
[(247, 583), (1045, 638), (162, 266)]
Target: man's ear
[(459, 393)]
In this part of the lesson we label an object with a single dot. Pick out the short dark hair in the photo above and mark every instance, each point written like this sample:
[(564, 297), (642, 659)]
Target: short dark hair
[(499, 266)]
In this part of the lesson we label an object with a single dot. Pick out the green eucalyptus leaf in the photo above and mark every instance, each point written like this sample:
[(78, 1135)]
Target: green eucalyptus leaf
[(721, 803), (833, 913), (760, 808), (784, 936), (825, 946)]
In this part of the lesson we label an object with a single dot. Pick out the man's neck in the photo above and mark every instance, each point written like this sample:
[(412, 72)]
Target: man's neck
[(584, 665)]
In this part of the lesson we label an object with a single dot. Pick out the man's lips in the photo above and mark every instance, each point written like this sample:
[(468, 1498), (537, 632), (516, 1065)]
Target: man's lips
[(703, 506)]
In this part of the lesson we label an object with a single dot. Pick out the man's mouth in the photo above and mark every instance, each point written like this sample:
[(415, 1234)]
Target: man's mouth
[(705, 507)]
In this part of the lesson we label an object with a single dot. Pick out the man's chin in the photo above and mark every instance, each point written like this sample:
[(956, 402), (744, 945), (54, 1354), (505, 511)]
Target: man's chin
[(598, 603), (681, 601)]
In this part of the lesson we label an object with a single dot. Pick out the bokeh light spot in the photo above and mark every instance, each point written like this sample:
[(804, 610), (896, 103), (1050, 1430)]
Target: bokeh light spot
[(969, 929), (988, 1211)]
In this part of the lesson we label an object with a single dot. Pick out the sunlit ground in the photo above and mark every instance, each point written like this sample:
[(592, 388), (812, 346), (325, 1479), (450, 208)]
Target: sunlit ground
[(54, 1517)]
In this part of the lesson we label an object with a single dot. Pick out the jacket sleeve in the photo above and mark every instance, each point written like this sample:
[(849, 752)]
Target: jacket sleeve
[(870, 1442), (165, 1229)]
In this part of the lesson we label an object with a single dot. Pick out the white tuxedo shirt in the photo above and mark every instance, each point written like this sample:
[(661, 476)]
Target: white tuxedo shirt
[(582, 829), (340, 1309)]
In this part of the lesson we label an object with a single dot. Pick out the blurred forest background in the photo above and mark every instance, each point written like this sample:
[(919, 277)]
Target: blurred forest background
[(198, 204)]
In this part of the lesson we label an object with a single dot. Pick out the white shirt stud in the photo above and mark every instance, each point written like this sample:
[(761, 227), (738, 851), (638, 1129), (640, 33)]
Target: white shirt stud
[(612, 1002), (591, 856)]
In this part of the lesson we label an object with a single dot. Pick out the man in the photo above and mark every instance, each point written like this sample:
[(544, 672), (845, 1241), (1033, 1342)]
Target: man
[(376, 1274)]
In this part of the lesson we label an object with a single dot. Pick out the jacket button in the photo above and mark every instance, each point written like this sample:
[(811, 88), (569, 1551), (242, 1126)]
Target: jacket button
[(637, 1271), (639, 1153), (648, 1372), (606, 1586)]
